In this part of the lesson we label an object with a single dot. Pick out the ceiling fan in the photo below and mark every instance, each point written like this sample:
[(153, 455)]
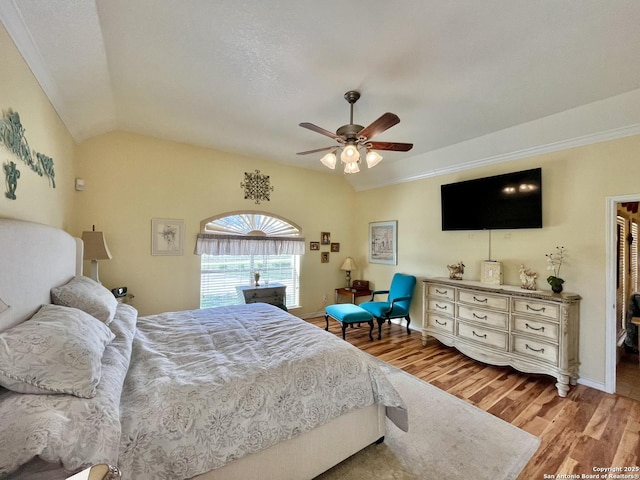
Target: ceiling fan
[(353, 138)]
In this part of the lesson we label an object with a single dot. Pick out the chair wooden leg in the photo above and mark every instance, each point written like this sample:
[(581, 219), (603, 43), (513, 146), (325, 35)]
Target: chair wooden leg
[(370, 330), (380, 323), (408, 322), (326, 319)]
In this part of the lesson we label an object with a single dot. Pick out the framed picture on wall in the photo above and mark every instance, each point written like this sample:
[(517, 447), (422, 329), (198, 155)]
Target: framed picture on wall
[(314, 245), (324, 257), (167, 236), (335, 247), (383, 242), (325, 238)]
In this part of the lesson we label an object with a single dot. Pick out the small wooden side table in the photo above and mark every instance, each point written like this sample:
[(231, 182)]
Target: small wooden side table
[(352, 293)]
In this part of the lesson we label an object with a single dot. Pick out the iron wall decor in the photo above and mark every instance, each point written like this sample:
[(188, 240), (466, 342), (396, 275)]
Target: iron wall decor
[(257, 186), (12, 136)]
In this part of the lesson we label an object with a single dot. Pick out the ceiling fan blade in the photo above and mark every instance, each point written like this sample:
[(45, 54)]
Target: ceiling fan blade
[(383, 123), (315, 128), (393, 146), (317, 150)]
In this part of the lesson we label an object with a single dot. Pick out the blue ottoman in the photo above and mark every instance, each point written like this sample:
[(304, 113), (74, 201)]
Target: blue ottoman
[(348, 314)]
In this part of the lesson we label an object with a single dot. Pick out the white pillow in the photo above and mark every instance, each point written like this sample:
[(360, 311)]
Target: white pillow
[(87, 295), (58, 350)]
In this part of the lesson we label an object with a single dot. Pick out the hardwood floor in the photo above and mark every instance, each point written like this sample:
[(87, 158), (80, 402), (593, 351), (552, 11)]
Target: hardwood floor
[(628, 376), (585, 430)]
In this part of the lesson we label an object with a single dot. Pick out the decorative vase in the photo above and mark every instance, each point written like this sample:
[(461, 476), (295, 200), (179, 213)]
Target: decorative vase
[(556, 283), (256, 276)]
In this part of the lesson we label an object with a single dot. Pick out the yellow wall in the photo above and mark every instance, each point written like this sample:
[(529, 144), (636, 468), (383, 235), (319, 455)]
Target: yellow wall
[(576, 183), (131, 179), (36, 200)]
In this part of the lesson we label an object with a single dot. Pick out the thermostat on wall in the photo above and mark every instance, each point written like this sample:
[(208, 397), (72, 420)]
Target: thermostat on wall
[(80, 184)]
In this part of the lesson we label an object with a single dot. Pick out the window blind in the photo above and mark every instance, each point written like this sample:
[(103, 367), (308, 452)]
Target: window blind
[(221, 274)]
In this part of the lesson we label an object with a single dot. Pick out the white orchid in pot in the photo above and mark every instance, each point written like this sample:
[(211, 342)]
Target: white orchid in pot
[(554, 262)]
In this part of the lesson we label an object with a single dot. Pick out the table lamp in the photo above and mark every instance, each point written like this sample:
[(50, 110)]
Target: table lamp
[(95, 248), (348, 265)]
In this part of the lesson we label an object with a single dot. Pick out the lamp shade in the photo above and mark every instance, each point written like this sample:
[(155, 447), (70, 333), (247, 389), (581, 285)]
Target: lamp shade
[(351, 167), (373, 158), (350, 154), (348, 264), (329, 160), (95, 246)]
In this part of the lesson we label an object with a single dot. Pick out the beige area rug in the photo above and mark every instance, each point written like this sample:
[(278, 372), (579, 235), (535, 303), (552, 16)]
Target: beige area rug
[(448, 439)]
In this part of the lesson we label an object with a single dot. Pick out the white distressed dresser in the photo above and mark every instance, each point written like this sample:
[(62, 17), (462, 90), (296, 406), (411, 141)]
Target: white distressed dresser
[(533, 331), (274, 293)]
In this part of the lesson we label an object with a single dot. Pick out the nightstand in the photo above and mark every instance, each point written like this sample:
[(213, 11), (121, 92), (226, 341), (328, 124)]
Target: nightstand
[(352, 293), (128, 298)]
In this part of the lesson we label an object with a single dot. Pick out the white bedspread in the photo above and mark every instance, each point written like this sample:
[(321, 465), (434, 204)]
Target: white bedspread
[(206, 387)]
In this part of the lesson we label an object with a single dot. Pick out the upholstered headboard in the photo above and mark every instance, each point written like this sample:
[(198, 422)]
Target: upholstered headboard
[(33, 259)]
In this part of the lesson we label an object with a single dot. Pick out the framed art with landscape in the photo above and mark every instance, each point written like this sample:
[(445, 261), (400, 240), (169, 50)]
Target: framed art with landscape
[(383, 242)]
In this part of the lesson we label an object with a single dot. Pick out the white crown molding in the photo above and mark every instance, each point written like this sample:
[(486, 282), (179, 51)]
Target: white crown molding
[(613, 134), (14, 23), (608, 119)]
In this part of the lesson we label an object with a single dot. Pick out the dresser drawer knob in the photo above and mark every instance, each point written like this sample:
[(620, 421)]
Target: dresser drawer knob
[(540, 329), (541, 350), (479, 336), (480, 300), (541, 309), (444, 324), (441, 307), (442, 292), (479, 317)]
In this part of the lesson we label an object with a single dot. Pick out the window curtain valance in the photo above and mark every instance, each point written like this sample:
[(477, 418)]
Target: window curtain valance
[(213, 244)]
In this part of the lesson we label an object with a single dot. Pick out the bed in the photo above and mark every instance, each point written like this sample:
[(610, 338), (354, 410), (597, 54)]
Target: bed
[(239, 392)]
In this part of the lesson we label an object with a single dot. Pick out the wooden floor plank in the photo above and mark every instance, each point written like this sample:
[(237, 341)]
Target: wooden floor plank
[(586, 429)]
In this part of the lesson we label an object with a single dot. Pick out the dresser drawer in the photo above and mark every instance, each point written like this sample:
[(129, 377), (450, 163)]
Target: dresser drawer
[(483, 335), (440, 306), (274, 295), (442, 291), (485, 317), (538, 328), (533, 307), (484, 300), (535, 349), (440, 322)]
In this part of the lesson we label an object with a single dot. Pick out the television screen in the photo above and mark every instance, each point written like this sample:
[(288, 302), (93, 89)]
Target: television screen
[(512, 200)]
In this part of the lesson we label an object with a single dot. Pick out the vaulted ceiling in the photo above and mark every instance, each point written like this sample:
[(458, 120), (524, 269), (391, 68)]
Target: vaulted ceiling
[(472, 81)]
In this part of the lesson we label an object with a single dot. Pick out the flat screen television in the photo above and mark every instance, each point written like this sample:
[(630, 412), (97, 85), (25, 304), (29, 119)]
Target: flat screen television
[(511, 200)]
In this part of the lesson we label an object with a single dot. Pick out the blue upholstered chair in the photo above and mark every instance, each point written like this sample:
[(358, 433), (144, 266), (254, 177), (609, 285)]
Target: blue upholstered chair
[(396, 305)]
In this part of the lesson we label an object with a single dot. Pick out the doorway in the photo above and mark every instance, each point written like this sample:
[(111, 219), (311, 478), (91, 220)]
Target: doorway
[(623, 367)]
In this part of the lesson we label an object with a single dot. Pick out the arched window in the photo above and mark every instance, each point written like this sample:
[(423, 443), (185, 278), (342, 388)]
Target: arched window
[(235, 245)]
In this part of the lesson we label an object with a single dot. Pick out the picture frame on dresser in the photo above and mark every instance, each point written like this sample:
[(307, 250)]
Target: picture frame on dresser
[(491, 272), (383, 242)]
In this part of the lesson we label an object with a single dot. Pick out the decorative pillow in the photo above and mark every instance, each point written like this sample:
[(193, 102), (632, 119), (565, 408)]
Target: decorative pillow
[(87, 295), (58, 350)]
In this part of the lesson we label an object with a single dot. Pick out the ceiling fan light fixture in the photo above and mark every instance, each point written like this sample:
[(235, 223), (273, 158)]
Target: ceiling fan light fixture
[(351, 167), (350, 154), (373, 158), (329, 160)]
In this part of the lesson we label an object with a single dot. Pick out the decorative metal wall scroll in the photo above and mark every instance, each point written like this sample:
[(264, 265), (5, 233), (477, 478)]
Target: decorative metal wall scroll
[(12, 136), (256, 186)]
